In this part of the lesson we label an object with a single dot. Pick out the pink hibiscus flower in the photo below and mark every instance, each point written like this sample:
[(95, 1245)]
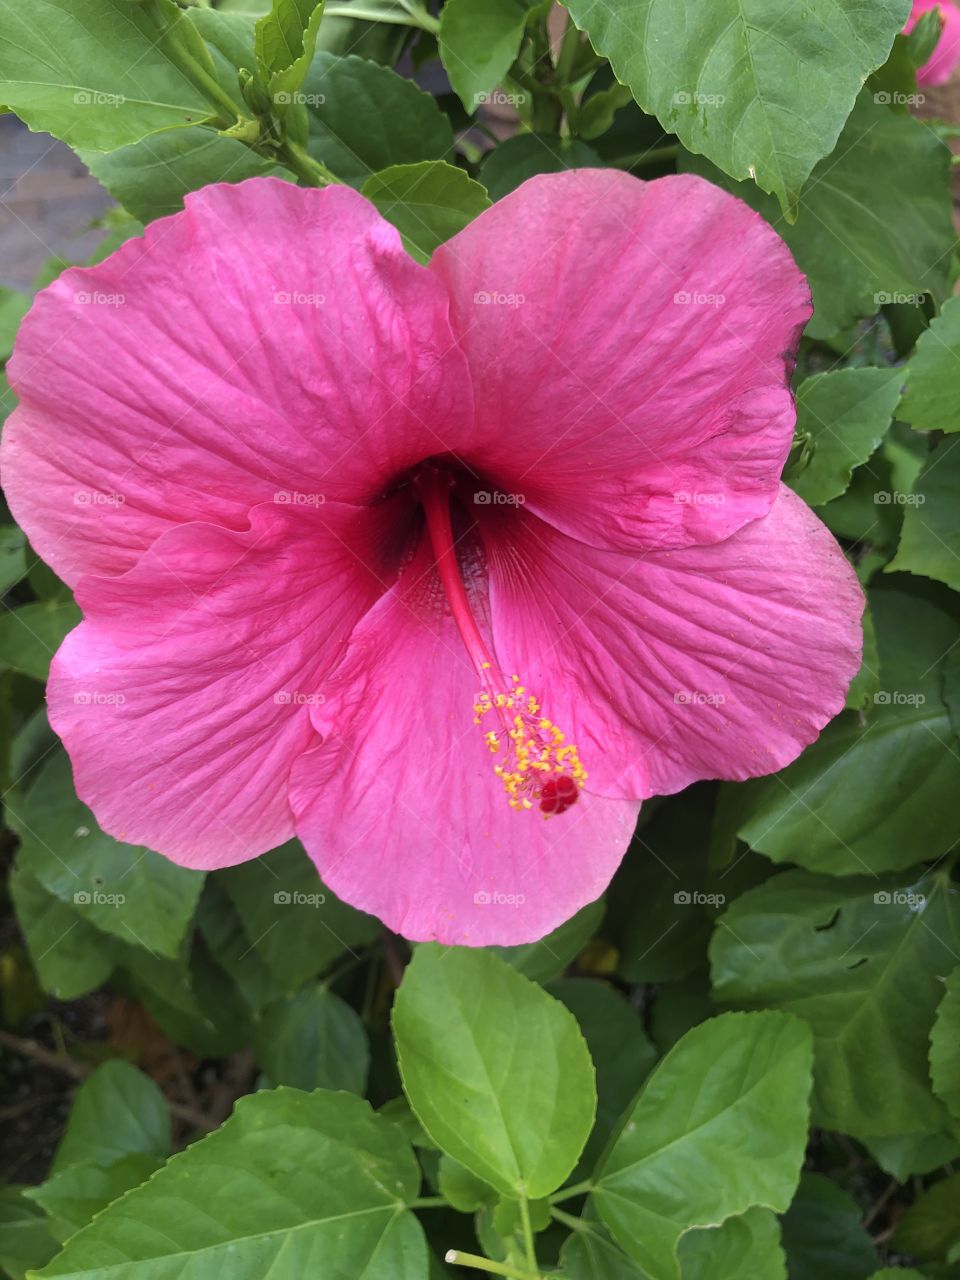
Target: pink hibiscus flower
[(941, 64), (443, 569)]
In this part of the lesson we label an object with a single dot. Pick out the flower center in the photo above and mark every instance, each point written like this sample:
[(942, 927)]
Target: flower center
[(535, 763)]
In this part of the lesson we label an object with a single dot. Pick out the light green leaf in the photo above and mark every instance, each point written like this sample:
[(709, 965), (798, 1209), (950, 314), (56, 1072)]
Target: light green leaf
[(76, 1194), (905, 1154), (32, 633), (863, 242), (945, 1046), (285, 39), (70, 956), (296, 924), (292, 1185), (125, 890), (151, 177), (845, 414), (761, 87), (823, 1233), (479, 41), (930, 1228), (26, 1240), (930, 537), (748, 1245), (858, 959), (546, 959), (313, 1041), (931, 401), (427, 202), (93, 72), (364, 117), (527, 154), (463, 1189), (590, 1254), (13, 307), (118, 1112), (720, 1126), (496, 1070)]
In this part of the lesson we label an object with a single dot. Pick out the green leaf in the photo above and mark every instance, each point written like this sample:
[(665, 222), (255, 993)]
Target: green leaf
[(931, 401), (479, 41), (945, 1046), (897, 1273), (313, 1041), (858, 959), (619, 1046), (823, 1233), (930, 1228), (845, 415), (364, 117), (31, 634), (293, 1184), (496, 1070), (285, 39), (463, 1189), (748, 1245), (151, 177), (761, 87), (720, 1126), (862, 241), (871, 796), (590, 1254), (527, 154), (297, 926), (930, 537), (70, 956), (26, 1240), (193, 1002), (427, 202), (93, 72), (13, 307), (906, 1154), (866, 683), (547, 958), (117, 1112), (125, 890), (76, 1194)]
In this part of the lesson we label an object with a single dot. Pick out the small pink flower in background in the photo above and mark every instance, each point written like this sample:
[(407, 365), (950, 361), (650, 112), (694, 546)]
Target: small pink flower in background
[(443, 569), (940, 66)]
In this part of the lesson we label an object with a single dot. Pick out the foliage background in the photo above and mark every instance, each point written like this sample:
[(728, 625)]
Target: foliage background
[(759, 1025)]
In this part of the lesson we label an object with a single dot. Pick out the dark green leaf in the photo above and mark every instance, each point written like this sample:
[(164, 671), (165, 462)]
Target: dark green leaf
[(945, 1046), (70, 956), (313, 1041), (118, 1112), (527, 154), (31, 634), (823, 1234), (932, 398), (427, 202), (930, 538)]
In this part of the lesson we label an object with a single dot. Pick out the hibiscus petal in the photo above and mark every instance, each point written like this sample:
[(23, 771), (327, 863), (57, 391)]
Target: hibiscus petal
[(721, 661), (401, 810), (185, 695), (623, 414), (266, 339)]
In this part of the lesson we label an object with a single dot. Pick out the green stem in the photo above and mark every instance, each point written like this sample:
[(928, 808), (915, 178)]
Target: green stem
[(413, 16), (567, 1193), (528, 1235), (460, 1259), (431, 1202), (184, 61), (309, 171), (569, 49), (656, 156), (568, 1220)]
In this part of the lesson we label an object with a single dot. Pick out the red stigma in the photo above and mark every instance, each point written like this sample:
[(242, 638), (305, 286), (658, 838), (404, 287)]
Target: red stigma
[(558, 794)]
